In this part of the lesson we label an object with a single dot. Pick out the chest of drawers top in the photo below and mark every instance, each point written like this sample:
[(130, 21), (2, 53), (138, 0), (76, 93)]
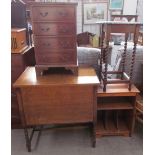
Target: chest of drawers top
[(59, 12)]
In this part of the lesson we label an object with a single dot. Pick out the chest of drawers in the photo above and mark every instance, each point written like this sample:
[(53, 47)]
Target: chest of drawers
[(54, 28)]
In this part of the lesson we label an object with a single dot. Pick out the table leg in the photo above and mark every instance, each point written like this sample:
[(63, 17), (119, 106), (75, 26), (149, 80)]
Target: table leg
[(29, 138), (93, 136), (28, 141)]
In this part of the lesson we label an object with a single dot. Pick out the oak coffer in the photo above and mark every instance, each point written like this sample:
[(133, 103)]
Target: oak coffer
[(54, 29), (18, 40), (57, 99)]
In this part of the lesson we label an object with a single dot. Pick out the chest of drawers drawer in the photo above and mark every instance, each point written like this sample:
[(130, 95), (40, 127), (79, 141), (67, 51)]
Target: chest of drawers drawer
[(61, 58), (49, 28), (54, 13), (55, 43)]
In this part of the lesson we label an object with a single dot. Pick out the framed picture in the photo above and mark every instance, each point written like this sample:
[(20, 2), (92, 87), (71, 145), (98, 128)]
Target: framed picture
[(116, 4), (94, 12)]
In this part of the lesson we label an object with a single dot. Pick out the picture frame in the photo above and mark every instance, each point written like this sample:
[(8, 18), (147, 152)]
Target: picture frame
[(116, 4), (94, 12)]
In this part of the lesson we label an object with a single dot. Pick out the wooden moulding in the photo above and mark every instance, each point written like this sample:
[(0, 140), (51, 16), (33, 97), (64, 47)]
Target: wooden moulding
[(120, 89), (114, 106), (40, 69)]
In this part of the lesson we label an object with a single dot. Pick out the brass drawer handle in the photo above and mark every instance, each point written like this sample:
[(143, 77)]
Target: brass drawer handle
[(44, 14), (22, 42), (45, 29)]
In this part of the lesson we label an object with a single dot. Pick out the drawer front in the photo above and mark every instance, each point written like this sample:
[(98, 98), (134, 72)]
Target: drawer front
[(55, 58), (55, 43), (54, 29), (55, 13)]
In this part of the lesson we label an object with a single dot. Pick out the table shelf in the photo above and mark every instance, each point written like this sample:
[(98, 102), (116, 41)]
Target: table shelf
[(114, 106), (116, 126), (114, 103)]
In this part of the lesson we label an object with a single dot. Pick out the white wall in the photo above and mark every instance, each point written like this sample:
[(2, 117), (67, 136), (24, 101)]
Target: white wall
[(130, 7), (140, 10)]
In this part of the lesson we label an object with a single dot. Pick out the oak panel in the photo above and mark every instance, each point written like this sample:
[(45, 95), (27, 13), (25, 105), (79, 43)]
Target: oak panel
[(58, 104)]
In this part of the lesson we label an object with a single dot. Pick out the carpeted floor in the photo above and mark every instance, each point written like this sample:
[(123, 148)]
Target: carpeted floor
[(73, 141)]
